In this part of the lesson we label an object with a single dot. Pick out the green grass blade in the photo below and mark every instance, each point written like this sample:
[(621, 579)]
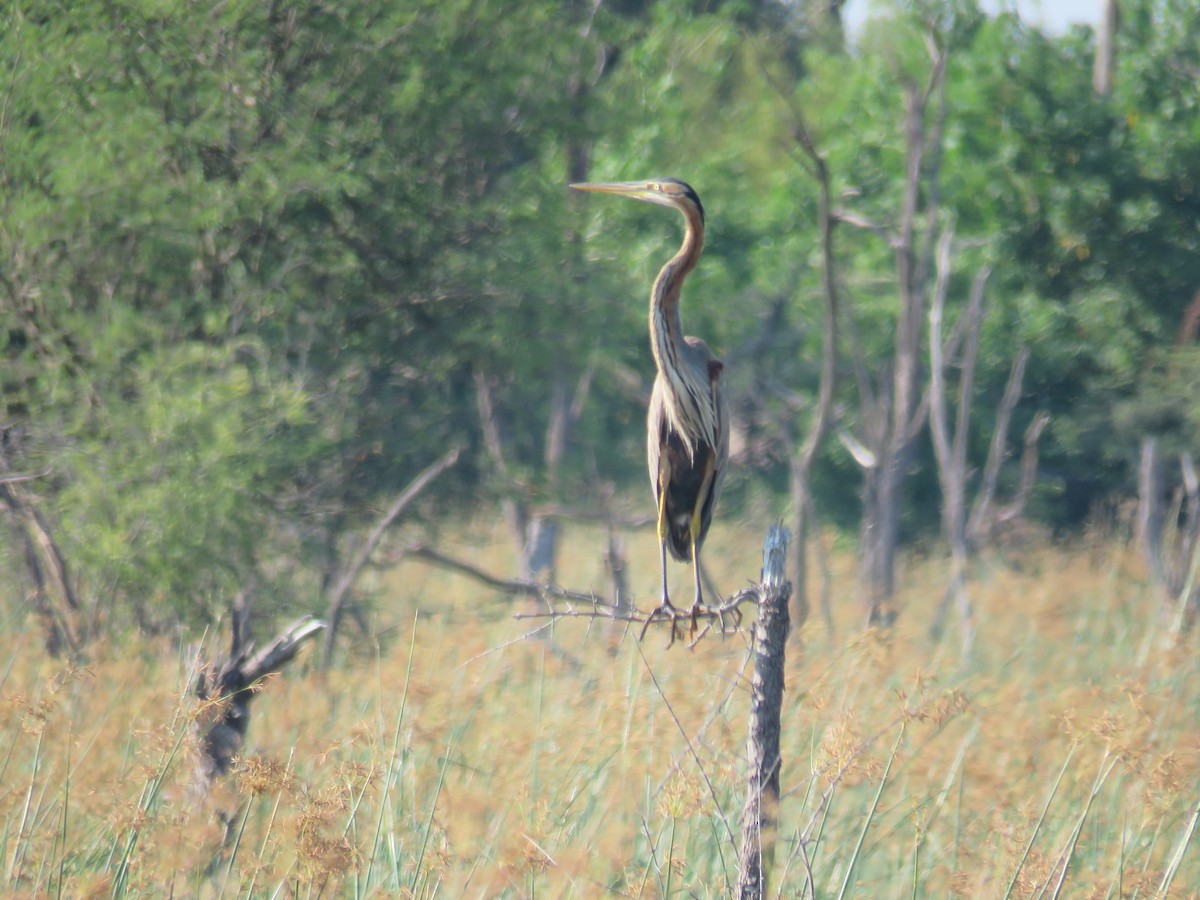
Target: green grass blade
[(862, 834), (1069, 851), (1012, 882), (1177, 857)]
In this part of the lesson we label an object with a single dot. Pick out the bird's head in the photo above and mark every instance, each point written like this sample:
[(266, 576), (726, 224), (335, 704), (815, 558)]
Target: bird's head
[(664, 191)]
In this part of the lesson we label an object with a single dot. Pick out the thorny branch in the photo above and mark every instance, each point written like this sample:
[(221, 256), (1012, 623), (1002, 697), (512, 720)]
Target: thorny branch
[(563, 603), (596, 608)]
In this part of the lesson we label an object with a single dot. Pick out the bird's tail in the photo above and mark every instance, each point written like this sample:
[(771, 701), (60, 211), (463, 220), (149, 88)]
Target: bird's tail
[(679, 535)]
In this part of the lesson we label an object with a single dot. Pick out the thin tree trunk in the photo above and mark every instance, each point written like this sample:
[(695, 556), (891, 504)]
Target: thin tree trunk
[(1106, 50), (881, 535), (493, 426), (54, 596), (761, 810), (977, 522), (800, 466), (950, 449), (898, 414), (1169, 535)]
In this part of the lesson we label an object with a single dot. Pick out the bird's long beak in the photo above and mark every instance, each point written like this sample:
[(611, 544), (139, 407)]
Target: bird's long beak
[(628, 188)]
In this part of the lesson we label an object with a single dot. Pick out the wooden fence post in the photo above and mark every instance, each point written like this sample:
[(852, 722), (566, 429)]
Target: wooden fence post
[(760, 813)]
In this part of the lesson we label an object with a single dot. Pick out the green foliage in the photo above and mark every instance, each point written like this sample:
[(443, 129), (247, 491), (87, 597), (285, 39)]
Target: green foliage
[(275, 243), (166, 497)]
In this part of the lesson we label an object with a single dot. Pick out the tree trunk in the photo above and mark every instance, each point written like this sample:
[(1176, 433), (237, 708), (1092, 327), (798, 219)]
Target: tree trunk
[(53, 594), (761, 809), (896, 418), (1106, 50), (1169, 534), (950, 444), (801, 462), (881, 535)]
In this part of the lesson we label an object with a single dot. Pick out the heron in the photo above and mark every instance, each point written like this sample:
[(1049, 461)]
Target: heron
[(687, 426)]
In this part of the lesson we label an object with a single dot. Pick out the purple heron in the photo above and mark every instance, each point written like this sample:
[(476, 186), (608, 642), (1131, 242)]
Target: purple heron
[(687, 428)]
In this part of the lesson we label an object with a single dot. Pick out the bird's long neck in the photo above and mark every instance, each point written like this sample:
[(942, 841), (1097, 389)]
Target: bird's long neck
[(687, 400), (666, 327)]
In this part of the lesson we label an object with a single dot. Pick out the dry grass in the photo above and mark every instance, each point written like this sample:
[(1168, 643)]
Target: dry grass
[(1062, 759)]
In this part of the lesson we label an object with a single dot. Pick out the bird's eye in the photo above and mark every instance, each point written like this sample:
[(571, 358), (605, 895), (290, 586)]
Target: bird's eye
[(654, 187)]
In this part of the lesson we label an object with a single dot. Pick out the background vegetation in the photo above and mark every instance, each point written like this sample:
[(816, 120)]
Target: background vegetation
[(263, 263)]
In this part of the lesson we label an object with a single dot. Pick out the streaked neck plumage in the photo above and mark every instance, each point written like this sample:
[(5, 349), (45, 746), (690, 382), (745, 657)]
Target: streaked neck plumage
[(689, 405)]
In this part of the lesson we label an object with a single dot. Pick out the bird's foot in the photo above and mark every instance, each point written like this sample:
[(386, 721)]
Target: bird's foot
[(665, 610), (716, 614)]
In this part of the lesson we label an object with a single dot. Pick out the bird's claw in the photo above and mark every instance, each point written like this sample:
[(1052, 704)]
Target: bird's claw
[(669, 611), (666, 610)]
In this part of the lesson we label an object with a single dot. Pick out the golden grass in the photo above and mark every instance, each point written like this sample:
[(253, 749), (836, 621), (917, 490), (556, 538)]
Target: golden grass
[(455, 759)]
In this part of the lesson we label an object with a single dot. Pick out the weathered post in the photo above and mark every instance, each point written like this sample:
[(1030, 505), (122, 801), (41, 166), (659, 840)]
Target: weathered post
[(760, 812)]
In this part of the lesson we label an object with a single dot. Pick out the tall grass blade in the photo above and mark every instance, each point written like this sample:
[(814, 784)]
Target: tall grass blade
[(237, 843), (19, 846), (66, 809), (437, 793), (1180, 849), (392, 762), (862, 834), (1064, 859), (152, 789), (1038, 827)]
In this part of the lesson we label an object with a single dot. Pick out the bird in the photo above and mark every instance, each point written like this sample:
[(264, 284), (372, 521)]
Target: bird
[(687, 424)]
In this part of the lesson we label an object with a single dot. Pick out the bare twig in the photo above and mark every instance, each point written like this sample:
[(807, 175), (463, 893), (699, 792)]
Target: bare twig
[(712, 791)]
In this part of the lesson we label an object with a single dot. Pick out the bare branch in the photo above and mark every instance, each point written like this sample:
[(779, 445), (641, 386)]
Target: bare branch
[(997, 451), (341, 588), (17, 479), (1029, 463), (39, 542), (513, 586), (282, 650), (592, 607), (856, 220)]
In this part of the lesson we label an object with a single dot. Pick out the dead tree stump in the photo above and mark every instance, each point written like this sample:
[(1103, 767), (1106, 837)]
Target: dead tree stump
[(760, 813), (230, 686)]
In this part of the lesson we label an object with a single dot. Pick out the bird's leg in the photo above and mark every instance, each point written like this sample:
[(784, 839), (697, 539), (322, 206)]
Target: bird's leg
[(694, 528), (665, 607), (699, 601)]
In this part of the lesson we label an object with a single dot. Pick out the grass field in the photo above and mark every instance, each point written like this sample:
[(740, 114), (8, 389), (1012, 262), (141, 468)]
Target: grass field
[(456, 759)]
